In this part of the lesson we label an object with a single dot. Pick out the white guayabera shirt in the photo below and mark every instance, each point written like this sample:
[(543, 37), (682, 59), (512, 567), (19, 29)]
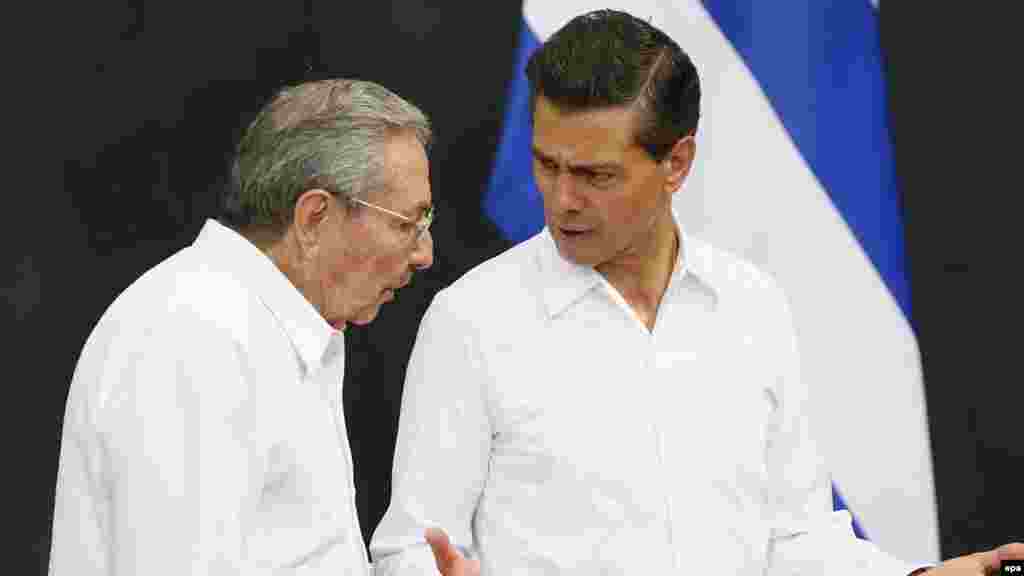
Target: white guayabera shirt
[(204, 432), (550, 432)]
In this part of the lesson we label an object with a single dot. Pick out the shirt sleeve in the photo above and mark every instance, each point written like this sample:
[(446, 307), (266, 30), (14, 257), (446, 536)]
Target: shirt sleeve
[(173, 466), (807, 536), (80, 541), (443, 445)]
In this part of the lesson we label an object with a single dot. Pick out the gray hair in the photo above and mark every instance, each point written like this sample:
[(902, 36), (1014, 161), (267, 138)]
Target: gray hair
[(328, 134)]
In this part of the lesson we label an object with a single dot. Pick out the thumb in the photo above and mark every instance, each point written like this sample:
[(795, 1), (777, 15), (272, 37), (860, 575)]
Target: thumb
[(445, 555), (988, 560)]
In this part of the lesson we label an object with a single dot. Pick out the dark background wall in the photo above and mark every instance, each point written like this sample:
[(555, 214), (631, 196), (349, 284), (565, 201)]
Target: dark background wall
[(146, 99), (954, 90)]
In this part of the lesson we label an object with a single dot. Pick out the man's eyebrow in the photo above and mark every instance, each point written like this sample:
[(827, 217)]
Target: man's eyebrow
[(600, 166), (583, 166)]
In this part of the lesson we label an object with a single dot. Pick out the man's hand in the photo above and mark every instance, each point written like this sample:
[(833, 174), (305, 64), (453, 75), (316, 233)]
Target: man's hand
[(979, 564), (449, 561)]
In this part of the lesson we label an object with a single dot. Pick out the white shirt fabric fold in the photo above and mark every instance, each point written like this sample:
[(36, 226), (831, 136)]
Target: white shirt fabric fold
[(204, 431), (549, 432)]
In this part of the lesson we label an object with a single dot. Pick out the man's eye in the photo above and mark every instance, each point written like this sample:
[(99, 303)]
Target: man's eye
[(601, 178)]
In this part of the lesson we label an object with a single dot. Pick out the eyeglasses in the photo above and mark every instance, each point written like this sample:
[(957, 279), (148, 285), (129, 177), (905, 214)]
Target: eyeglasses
[(422, 225)]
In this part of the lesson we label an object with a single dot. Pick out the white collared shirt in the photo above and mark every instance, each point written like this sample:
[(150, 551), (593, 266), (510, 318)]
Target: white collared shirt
[(547, 430), (204, 432)]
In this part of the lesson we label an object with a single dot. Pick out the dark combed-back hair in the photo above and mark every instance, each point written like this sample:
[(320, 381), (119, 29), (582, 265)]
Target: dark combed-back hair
[(606, 59)]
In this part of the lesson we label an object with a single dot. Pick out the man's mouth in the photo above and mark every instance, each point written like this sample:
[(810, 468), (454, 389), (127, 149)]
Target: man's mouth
[(573, 232)]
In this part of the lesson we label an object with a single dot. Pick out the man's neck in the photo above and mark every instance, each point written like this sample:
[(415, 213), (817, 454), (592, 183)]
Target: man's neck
[(287, 257), (642, 278)]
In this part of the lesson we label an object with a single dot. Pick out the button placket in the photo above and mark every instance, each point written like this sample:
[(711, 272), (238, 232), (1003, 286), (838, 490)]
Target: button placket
[(332, 375), (658, 422)]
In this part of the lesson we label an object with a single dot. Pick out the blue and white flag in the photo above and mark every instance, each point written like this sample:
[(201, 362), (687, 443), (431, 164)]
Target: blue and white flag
[(794, 171)]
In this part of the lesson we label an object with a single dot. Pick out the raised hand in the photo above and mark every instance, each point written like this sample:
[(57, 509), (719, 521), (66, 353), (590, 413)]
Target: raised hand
[(449, 560)]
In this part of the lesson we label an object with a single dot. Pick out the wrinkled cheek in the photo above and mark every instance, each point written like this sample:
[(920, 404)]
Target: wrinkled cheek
[(335, 279), (338, 287), (388, 268)]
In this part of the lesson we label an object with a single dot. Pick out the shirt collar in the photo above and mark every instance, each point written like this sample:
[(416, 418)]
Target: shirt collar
[(309, 333), (567, 282)]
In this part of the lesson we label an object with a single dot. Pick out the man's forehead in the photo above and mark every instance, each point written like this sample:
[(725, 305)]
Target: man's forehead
[(405, 187), (407, 198), (579, 148), (402, 151), (597, 135)]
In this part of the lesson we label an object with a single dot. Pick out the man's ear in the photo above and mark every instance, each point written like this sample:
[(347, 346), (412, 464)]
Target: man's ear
[(312, 210), (678, 162)]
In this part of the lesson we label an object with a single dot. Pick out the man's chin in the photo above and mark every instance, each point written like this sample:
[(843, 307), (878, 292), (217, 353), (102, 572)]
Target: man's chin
[(369, 313), (578, 257), (366, 315)]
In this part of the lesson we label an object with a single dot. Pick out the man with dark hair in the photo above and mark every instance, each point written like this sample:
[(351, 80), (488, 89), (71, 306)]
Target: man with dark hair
[(204, 432), (614, 396), (636, 66)]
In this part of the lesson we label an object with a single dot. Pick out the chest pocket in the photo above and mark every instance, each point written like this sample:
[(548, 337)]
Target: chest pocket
[(572, 423), (718, 418)]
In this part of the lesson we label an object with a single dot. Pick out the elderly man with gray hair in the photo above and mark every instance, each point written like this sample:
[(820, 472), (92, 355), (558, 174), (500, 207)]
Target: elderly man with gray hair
[(204, 431)]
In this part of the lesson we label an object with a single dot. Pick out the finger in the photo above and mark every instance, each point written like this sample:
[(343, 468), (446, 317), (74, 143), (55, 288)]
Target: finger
[(1011, 551), (988, 560), (445, 555)]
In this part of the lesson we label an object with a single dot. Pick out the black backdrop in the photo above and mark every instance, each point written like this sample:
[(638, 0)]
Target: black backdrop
[(954, 88), (148, 98)]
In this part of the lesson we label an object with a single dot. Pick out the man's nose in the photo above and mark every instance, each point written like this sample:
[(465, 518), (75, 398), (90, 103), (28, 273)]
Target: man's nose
[(423, 253), (566, 198)]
